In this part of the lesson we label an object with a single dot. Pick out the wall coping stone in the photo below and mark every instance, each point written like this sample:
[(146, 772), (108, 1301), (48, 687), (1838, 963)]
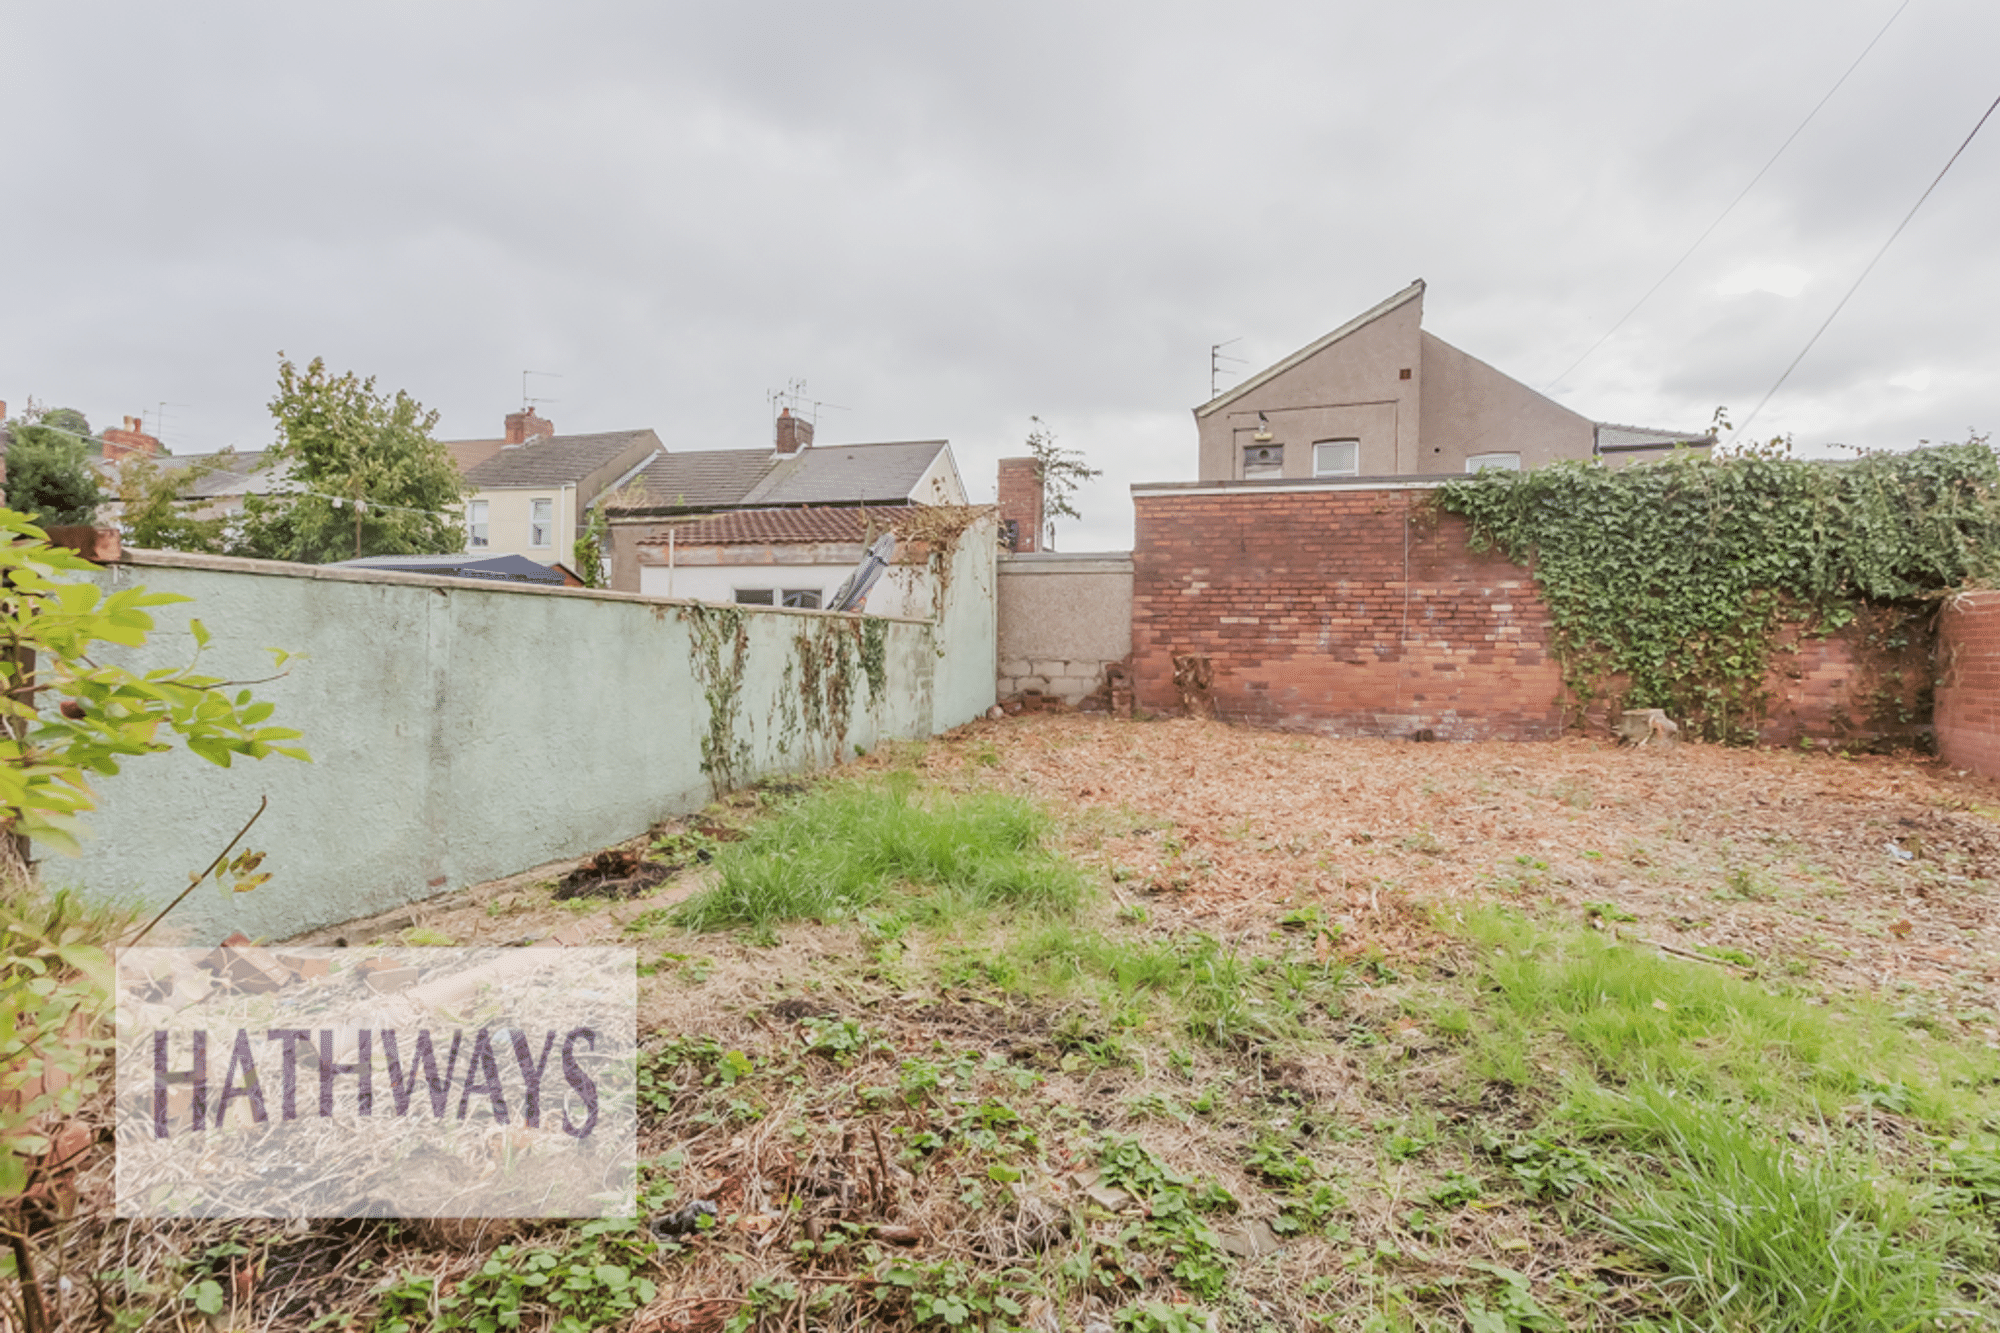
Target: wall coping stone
[(287, 569)]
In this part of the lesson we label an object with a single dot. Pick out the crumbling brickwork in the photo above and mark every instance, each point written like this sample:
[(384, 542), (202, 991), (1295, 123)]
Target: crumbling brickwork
[(1339, 611), (1968, 683)]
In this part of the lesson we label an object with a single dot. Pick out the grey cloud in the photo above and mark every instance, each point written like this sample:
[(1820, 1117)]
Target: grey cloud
[(948, 218)]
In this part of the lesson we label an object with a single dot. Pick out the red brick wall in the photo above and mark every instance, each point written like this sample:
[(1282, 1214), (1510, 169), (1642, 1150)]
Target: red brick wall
[(1335, 611), (1968, 687), (1339, 611), (1021, 502)]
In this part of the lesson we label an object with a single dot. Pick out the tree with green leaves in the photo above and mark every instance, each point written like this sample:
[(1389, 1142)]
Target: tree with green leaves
[(1060, 470), (152, 512), (588, 552), (366, 476), (68, 716), (49, 473)]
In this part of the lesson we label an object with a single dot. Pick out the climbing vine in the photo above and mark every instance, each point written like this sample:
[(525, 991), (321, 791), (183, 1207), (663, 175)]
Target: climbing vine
[(1670, 583), (721, 645), (875, 656)]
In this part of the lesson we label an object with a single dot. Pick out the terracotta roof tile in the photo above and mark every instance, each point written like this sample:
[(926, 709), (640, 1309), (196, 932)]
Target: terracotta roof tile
[(780, 527)]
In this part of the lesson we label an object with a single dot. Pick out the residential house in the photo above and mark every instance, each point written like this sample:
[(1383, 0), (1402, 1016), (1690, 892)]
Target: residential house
[(672, 490), (532, 489), (1379, 396), (775, 557)]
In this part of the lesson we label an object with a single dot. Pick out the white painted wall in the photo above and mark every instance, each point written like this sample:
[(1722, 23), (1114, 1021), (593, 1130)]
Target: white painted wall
[(904, 591)]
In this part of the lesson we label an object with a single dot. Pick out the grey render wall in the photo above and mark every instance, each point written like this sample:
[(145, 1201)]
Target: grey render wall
[(462, 731), (1062, 619)]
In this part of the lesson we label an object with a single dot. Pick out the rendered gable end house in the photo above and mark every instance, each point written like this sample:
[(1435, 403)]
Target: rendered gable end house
[(531, 490), (1380, 397), (650, 507)]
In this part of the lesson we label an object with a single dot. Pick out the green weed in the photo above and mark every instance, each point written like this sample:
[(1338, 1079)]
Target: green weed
[(842, 849)]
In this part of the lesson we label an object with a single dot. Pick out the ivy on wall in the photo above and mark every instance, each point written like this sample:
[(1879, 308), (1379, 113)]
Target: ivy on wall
[(1669, 582)]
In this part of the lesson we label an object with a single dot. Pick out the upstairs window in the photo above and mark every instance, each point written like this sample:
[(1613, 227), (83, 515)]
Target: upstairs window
[(475, 525), (541, 522), (804, 598), (1263, 460), (1337, 458), (753, 597), (1498, 462)]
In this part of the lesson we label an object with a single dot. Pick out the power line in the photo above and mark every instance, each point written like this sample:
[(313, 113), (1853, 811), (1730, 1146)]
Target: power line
[(1606, 336), (1866, 271)]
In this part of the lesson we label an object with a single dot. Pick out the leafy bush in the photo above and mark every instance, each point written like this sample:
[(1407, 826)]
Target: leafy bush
[(1675, 576), (49, 476)]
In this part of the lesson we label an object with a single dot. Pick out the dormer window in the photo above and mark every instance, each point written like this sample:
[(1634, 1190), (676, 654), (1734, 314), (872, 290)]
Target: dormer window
[(1263, 461)]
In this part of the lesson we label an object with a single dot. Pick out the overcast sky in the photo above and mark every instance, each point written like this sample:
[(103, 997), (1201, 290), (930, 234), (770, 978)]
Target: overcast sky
[(946, 218)]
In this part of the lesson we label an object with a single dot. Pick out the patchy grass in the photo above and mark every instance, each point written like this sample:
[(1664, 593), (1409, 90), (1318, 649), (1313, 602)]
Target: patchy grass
[(842, 849), (1049, 1026)]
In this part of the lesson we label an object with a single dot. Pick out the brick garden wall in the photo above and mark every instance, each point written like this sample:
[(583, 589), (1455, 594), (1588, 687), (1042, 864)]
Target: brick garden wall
[(1343, 612), (1968, 687), (1334, 611)]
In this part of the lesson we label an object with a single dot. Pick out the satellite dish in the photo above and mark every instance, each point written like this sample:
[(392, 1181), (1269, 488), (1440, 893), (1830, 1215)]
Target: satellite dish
[(851, 594)]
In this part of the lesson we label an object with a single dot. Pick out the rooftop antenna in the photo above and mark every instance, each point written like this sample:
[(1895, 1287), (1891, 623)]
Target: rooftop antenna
[(159, 431), (529, 404), (1216, 356), (794, 399)]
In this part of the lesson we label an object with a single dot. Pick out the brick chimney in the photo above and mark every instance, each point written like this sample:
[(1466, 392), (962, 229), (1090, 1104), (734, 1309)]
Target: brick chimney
[(794, 433), (129, 441), (527, 425), (1021, 503)]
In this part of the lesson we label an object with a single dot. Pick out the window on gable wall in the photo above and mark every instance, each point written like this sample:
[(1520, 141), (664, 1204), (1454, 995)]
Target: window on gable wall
[(541, 522), (1499, 462), (475, 524), (1263, 460), (1337, 458)]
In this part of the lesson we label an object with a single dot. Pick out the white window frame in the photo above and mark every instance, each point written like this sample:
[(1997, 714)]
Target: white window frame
[(796, 598), (478, 535), (1500, 462), (1353, 468), (763, 596), (541, 523)]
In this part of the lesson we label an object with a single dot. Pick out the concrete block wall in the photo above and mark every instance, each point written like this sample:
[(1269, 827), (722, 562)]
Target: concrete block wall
[(462, 730), (1063, 619)]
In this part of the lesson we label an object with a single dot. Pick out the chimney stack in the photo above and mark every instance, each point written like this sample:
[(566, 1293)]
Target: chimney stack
[(794, 433), (129, 441), (1021, 503), (527, 425)]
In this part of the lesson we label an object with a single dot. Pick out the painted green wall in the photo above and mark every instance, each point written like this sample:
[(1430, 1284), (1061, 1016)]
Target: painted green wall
[(462, 732)]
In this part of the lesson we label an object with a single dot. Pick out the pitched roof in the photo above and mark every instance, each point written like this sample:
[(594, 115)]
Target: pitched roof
[(843, 474), (469, 454), (848, 473), (1366, 317), (499, 568), (1616, 439), (780, 527), (702, 479), (231, 472), (555, 460)]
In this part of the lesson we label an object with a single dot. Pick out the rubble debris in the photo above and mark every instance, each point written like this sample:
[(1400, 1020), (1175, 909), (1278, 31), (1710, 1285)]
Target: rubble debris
[(1647, 726), (1194, 677), (682, 1221), (615, 872)]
